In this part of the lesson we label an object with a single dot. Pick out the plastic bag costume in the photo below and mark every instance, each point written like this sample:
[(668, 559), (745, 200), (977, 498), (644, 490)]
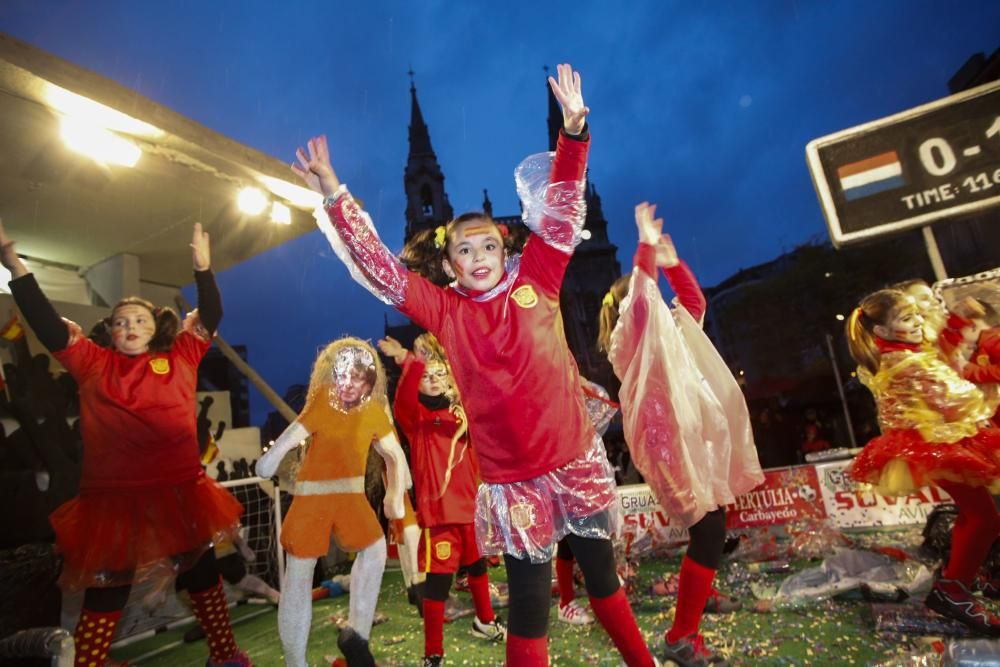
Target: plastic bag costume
[(932, 425), (685, 418)]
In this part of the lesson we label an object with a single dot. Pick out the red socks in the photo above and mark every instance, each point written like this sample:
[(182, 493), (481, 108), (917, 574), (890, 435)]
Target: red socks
[(210, 608), (480, 589), (93, 636), (693, 589), (433, 627), (525, 652), (564, 577), (615, 615)]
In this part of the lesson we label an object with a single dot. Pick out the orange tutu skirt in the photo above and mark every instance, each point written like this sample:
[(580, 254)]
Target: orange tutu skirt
[(900, 462), (115, 537)]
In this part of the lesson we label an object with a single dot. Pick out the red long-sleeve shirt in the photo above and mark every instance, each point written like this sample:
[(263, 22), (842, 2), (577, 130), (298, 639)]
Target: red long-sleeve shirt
[(442, 499)]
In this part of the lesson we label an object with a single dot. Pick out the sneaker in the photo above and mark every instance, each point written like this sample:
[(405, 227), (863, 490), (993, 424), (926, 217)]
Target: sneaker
[(494, 631), (574, 614), (989, 587), (691, 651), (720, 603), (950, 598), (433, 661), (354, 648), (238, 659)]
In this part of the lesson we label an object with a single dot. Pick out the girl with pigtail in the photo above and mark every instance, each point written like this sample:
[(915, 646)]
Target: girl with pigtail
[(145, 510), (544, 477), (428, 410), (685, 419), (345, 414), (935, 430)]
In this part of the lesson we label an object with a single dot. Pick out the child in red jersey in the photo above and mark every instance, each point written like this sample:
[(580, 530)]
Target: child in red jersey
[(145, 507), (446, 479), (499, 321), (935, 430), (685, 419), (345, 415)]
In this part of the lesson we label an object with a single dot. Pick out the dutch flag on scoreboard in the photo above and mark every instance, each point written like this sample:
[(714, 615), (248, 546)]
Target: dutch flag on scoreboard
[(870, 176)]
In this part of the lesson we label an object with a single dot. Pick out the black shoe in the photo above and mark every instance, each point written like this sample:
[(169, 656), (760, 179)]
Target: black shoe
[(433, 661), (354, 648), (691, 651), (950, 598)]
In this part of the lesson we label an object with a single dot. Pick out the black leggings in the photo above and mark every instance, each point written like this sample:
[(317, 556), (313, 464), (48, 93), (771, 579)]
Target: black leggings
[(199, 578), (438, 584), (531, 584), (708, 538)]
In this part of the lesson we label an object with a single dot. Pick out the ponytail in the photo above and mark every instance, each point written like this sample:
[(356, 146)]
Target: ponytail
[(608, 316)]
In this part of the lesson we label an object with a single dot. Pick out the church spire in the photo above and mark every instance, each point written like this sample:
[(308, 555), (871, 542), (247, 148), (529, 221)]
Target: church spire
[(487, 204), (427, 203)]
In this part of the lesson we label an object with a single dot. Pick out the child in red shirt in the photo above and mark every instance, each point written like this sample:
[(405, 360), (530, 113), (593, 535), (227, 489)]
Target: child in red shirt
[(145, 508), (446, 479), (499, 321), (685, 419)]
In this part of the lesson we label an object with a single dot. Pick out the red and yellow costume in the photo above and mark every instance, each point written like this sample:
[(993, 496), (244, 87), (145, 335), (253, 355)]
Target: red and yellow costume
[(145, 505), (933, 425)]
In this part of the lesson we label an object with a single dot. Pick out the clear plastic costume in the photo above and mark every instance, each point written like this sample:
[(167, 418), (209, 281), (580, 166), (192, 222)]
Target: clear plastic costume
[(543, 466), (345, 414), (933, 424), (685, 418)]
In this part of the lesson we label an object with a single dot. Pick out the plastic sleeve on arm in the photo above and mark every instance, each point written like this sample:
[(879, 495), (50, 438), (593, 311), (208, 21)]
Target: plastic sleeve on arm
[(289, 438), (209, 300), (38, 311), (353, 238)]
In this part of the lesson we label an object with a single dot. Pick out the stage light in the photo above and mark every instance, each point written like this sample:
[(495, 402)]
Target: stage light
[(251, 201), (281, 214), (296, 195), (98, 143), (96, 114), (840, 318)]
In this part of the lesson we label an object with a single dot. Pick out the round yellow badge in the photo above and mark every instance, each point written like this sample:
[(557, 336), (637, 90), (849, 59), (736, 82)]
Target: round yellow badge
[(160, 365), (525, 296)]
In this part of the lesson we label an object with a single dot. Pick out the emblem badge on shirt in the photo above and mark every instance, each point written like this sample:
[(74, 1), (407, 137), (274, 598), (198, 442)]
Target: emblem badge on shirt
[(522, 516), (525, 296), (160, 365), (442, 550)]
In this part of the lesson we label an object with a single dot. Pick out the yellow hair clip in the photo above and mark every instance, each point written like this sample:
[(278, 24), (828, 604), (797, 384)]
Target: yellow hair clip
[(609, 299), (439, 236)]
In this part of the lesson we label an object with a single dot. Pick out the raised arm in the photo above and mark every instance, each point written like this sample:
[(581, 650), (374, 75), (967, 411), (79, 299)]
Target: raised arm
[(554, 206), (37, 310), (656, 249), (406, 405), (209, 299), (268, 464)]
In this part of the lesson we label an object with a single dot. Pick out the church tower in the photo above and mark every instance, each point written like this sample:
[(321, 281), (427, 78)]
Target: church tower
[(427, 203)]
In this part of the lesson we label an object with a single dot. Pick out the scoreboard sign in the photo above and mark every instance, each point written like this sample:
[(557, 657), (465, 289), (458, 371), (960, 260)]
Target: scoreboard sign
[(932, 162)]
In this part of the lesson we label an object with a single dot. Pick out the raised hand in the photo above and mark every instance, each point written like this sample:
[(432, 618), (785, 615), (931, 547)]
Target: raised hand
[(201, 254), (315, 169), (392, 348), (650, 227), (569, 94), (8, 255), (666, 253)]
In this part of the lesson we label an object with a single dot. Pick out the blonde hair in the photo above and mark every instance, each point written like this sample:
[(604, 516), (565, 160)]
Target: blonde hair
[(323, 370), (875, 309), (607, 318)]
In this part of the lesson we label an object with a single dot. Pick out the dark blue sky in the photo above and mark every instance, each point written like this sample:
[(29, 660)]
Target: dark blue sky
[(705, 111)]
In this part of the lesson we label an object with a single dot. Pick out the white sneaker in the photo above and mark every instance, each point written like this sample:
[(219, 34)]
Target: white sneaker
[(574, 614), (494, 631)]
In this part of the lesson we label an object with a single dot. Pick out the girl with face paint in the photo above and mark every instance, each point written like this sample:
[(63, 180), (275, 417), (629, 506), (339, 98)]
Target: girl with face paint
[(428, 411), (345, 415), (935, 430), (145, 507), (544, 474)]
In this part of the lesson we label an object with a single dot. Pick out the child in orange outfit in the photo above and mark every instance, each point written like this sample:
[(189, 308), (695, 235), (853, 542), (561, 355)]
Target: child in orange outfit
[(345, 414)]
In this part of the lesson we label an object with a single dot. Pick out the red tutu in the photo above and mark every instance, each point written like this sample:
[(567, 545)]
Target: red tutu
[(900, 461), (115, 537)]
